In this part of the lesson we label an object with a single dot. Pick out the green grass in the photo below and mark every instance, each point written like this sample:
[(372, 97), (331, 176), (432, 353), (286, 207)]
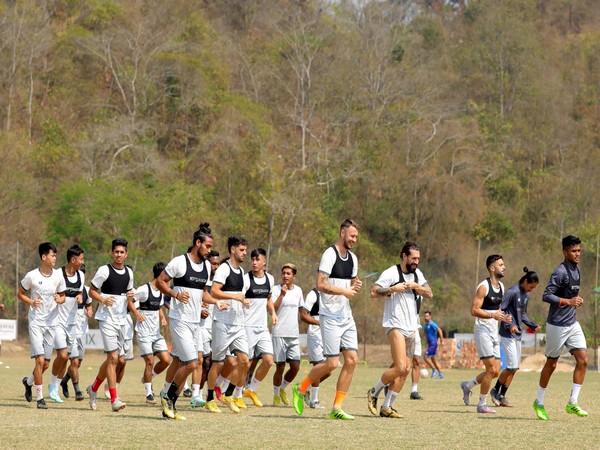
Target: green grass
[(439, 421)]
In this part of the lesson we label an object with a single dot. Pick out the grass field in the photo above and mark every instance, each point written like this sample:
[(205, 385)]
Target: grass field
[(439, 421)]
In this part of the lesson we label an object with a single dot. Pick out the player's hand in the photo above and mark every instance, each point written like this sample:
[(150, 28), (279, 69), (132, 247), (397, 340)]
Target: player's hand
[(130, 295), (284, 290), (204, 314), (222, 305), (244, 300), (183, 297), (163, 322), (36, 303), (274, 319), (514, 329), (506, 318), (59, 299), (109, 301), (576, 301), (89, 312), (349, 293), (357, 285), (79, 299), (140, 317), (538, 329)]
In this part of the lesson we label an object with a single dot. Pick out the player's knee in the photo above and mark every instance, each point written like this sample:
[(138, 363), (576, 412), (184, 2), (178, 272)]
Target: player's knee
[(494, 371), (332, 363)]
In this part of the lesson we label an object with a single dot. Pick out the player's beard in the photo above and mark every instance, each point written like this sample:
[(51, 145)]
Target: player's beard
[(412, 268), (200, 255)]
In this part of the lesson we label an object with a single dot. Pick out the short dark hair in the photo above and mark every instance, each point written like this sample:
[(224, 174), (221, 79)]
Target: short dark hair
[(257, 252), (119, 242), (492, 259), (202, 233), (46, 247), (235, 241), (427, 312), (157, 269), (213, 253), (290, 266), (569, 241), (348, 223), (530, 276), (74, 250), (407, 247)]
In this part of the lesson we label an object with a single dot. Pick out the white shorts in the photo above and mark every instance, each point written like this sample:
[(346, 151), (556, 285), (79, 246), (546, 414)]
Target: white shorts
[(418, 349), (487, 339), (228, 338), (338, 336), (151, 345), (41, 340), (206, 341), (77, 349), (314, 344), (558, 338), (259, 342), (410, 342), (186, 337), (113, 337), (512, 352), (286, 349), (64, 336), (127, 350)]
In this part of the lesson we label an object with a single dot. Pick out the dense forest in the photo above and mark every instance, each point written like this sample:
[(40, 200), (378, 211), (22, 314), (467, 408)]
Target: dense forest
[(470, 127)]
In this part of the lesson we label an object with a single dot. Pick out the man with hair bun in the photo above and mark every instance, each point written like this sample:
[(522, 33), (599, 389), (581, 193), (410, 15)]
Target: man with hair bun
[(562, 328), (514, 303)]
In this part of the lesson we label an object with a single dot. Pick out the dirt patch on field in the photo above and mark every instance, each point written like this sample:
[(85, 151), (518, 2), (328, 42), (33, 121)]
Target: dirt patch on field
[(535, 363)]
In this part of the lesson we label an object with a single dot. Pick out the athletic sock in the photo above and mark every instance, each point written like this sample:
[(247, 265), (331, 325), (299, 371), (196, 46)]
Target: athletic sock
[(276, 390), (195, 390), (39, 394), (76, 387), (148, 388), (503, 389), (574, 393), (53, 380), (172, 392), (229, 390), (30, 380), (210, 395), (200, 394), (498, 386), (314, 394), (166, 387), (482, 399), (113, 394), (415, 387), (219, 381), (153, 373), (186, 386), (389, 399), (304, 385), (226, 385), (284, 384), (339, 399), (379, 386), (96, 384), (58, 381), (540, 395), (66, 378), (253, 384), (472, 383), (237, 392)]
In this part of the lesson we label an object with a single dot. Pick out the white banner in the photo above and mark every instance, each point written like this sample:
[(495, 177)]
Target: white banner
[(8, 329), (93, 340)]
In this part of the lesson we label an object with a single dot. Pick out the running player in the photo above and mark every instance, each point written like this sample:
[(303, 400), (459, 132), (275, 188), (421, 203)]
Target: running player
[(562, 328), (66, 318), (47, 290), (190, 273), (486, 310), (433, 334), (400, 285), (338, 283), (286, 334), (229, 333), (514, 303), (112, 286), (260, 346), (309, 314), (149, 319)]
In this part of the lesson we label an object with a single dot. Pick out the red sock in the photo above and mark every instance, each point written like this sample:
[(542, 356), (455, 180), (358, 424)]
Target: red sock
[(113, 394), (304, 385), (96, 385)]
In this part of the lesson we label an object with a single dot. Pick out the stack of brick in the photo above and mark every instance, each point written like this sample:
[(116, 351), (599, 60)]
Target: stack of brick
[(469, 359), (446, 353)]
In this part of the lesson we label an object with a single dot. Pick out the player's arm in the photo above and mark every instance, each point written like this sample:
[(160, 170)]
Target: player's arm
[(422, 290), (557, 279), (162, 317), (216, 292), (440, 334), (323, 285), (95, 294), (208, 299), (271, 310), (22, 296), (527, 321), (163, 284), (307, 318), (477, 311), (139, 295), (277, 303)]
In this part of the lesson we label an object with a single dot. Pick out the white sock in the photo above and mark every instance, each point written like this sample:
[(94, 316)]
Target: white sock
[(58, 381), (237, 392), (276, 390), (30, 379), (482, 399), (574, 393), (148, 388), (195, 390), (166, 387), (38, 391), (379, 386), (186, 386), (153, 373), (219, 381), (200, 395), (284, 384), (472, 383), (53, 380), (415, 387), (389, 399), (253, 384), (314, 393), (540, 395)]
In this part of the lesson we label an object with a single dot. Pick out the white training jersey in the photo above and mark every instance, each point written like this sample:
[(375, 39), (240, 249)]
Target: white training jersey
[(117, 313), (229, 276), (400, 309), (287, 313), (43, 287), (341, 271), (67, 312), (309, 303), (151, 324), (192, 278), (258, 291)]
